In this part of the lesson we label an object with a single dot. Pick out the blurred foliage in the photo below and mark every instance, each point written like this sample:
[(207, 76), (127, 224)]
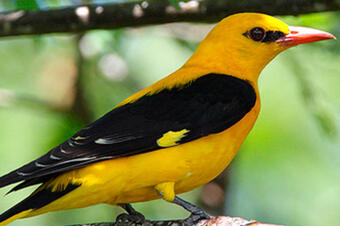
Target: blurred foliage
[(27, 4), (7, 5), (287, 171)]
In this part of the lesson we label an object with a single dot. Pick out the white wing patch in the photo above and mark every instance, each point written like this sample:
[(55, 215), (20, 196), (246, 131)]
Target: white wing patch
[(54, 157), (115, 139), (105, 141), (37, 164)]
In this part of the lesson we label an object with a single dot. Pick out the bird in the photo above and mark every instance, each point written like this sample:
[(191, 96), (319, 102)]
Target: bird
[(169, 138)]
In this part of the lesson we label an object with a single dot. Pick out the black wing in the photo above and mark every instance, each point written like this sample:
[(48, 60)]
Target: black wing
[(209, 104)]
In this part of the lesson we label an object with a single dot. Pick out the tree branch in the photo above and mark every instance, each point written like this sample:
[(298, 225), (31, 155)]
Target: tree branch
[(218, 221), (117, 15)]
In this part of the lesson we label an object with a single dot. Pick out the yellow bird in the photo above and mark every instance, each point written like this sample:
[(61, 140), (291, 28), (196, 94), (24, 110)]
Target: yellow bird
[(169, 138)]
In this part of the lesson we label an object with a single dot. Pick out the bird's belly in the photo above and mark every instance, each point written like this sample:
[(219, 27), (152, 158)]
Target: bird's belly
[(132, 179)]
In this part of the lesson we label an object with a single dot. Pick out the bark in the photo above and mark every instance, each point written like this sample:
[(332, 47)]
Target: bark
[(214, 221), (132, 14)]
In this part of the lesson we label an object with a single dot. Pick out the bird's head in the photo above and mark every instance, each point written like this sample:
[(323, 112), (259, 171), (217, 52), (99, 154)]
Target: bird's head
[(243, 44)]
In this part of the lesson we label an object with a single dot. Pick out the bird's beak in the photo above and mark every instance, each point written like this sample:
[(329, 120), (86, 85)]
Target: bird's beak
[(300, 35)]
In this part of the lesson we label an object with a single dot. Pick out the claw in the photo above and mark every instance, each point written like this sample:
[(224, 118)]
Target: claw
[(122, 218), (133, 218), (130, 219), (197, 214), (194, 218)]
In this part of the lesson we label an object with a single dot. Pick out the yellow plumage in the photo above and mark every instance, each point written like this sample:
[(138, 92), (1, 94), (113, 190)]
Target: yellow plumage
[(171, 138)]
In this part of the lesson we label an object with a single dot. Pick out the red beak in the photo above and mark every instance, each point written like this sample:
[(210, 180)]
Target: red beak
[(300, 35)]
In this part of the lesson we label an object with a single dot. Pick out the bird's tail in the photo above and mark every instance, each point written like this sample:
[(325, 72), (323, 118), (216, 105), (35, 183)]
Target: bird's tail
[(14, 217), (38, 199)]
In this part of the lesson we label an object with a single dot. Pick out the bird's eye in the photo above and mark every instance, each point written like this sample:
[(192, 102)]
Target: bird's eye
[(257, 34)]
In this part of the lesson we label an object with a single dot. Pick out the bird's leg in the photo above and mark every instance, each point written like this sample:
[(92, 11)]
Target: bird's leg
[(132, 217), (197, 213), (166, 190)]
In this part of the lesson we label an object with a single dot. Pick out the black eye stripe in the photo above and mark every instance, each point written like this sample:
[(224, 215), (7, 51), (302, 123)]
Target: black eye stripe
[(273, 36), (270, 36)]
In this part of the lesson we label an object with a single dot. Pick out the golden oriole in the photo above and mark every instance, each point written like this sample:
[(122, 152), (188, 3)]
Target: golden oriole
[(169, 138)]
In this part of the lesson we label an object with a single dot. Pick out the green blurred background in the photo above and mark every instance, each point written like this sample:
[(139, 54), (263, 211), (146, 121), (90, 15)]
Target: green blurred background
[(287, 171)]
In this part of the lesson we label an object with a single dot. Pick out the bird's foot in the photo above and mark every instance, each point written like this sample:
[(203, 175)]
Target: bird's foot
[(197, 213), (130, 219), (195, 217), (133, 218)]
